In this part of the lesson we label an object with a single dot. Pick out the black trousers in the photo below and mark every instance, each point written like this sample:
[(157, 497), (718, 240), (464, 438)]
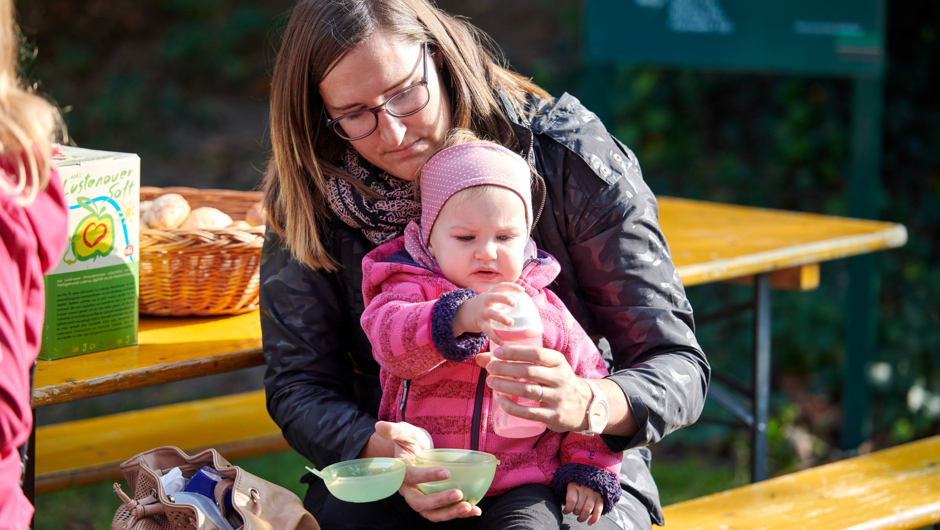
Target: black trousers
[(531, 506)]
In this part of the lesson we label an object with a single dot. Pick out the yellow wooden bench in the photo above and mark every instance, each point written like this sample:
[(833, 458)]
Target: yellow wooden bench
[(896, 488), (82, 452)]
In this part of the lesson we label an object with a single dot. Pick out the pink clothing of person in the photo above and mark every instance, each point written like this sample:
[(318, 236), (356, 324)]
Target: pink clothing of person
[(429, 377), (33, 239)]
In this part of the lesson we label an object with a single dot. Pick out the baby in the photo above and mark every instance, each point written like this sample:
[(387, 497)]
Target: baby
[(431, 297)]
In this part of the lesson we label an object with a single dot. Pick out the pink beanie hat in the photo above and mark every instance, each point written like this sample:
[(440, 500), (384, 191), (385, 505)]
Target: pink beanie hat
[(465, 166)]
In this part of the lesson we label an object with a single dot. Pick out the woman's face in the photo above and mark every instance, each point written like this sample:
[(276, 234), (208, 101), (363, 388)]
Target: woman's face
[(366, 77)]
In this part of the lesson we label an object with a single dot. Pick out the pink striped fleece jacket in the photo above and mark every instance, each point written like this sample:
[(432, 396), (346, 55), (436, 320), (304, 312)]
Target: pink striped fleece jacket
[(430, 379)]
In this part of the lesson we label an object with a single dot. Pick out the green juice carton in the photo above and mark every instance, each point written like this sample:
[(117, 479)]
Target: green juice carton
[(91, 295)]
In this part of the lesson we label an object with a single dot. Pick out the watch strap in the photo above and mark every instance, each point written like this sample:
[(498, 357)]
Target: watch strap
[(596, 396)]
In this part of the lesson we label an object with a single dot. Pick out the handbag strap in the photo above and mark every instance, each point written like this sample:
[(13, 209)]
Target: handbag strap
[(138, 509), (220, 489)]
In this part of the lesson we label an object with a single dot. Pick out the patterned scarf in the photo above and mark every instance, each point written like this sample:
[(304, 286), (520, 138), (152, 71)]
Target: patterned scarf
[(380, 219)]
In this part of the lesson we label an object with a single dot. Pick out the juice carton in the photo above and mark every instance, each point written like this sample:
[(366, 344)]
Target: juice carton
[(91, 295)]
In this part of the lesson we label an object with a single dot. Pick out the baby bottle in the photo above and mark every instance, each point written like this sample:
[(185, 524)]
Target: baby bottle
[(526, 330)]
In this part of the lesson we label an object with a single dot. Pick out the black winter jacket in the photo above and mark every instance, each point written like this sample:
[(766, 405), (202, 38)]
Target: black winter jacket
[(599, 220)]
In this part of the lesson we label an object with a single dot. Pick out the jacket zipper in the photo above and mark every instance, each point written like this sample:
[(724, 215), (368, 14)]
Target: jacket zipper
[(477, 411), (543, 191), (536, 444), (530, 157), (405, 384)]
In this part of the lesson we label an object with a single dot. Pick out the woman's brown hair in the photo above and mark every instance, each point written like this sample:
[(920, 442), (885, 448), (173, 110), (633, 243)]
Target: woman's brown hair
[(320, 33), (27, 121)]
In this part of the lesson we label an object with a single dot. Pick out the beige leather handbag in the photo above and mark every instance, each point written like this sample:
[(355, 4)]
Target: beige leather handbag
[(259, 504)]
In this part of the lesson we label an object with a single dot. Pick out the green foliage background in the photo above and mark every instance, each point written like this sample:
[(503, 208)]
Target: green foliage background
[(184, 83), (783, 142)]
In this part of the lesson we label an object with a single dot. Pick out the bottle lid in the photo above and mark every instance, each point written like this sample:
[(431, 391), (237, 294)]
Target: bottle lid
[(524, 314)]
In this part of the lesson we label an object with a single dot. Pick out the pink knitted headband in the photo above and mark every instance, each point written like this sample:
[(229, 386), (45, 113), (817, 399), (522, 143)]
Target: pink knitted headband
[(472, 164)]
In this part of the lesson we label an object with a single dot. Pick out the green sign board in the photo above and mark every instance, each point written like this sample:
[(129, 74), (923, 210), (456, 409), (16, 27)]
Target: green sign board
[(828, 37)]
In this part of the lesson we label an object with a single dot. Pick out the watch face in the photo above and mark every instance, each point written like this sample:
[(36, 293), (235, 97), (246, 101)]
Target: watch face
[(599, 415)]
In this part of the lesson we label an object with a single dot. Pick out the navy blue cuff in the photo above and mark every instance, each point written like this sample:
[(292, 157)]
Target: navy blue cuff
[(457, 349), (595, 478)]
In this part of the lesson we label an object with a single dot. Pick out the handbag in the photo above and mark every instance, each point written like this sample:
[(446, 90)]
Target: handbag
[(259, 504)]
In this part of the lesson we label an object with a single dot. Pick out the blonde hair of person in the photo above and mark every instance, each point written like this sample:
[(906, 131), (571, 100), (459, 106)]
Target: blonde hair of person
[(304, 150), (27, 121)]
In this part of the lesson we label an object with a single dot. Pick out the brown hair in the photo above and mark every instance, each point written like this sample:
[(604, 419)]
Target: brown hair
[(304, 154), (27, 121), (455, 136)]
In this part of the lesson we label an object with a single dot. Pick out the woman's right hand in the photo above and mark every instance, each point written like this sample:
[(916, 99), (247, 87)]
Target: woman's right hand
[(408, 441)]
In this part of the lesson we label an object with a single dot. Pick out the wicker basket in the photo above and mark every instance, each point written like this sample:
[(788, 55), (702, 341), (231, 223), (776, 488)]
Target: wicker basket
[(201, 272)]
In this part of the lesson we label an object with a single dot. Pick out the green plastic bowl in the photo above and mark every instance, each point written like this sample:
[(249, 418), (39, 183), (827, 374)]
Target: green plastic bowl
[(364, 479), (471, 472)]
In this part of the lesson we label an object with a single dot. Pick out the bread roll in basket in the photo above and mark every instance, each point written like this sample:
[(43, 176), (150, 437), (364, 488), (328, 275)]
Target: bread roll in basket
[(201, 271)]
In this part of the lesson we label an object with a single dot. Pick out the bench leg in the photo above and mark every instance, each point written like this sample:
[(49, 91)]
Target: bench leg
[(29, 473), (761, 375), (29, 480)]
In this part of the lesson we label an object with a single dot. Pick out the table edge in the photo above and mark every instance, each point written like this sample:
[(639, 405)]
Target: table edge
[(144, 377), (892, 236)]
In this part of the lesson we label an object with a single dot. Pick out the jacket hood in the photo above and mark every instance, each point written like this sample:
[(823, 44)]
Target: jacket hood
[(391, 258)]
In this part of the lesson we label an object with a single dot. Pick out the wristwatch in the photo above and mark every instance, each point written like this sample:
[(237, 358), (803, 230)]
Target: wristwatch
[(598, 411)]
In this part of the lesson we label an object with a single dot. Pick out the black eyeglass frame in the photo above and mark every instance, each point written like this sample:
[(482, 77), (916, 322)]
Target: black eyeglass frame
[(333, 123)]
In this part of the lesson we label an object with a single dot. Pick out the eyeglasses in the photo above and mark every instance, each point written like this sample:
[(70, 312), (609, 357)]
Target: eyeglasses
[(407, 101)]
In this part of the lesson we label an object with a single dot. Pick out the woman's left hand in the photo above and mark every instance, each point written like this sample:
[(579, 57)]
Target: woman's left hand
[(410, 440), (564, 397)]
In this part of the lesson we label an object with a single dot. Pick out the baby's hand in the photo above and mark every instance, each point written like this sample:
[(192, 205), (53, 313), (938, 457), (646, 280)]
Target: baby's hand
[(586, 503), (476, 314)]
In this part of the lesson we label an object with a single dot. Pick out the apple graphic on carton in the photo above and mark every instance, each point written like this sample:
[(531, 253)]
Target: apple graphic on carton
[(94, 235)]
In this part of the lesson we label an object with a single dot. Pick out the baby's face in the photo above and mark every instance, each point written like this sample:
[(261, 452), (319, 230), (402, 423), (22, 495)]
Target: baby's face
[(479, 238)]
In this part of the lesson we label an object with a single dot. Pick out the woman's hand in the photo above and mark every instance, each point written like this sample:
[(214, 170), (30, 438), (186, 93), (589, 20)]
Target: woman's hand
[(410, 440), (476, 314), (563, 396)]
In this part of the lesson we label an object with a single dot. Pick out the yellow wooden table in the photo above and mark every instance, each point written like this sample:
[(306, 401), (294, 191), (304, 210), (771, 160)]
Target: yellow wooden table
[(714, 242), (709, 242), (169, 349)]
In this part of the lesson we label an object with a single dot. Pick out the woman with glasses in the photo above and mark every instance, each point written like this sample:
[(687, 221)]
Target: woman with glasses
[(363, 93)]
